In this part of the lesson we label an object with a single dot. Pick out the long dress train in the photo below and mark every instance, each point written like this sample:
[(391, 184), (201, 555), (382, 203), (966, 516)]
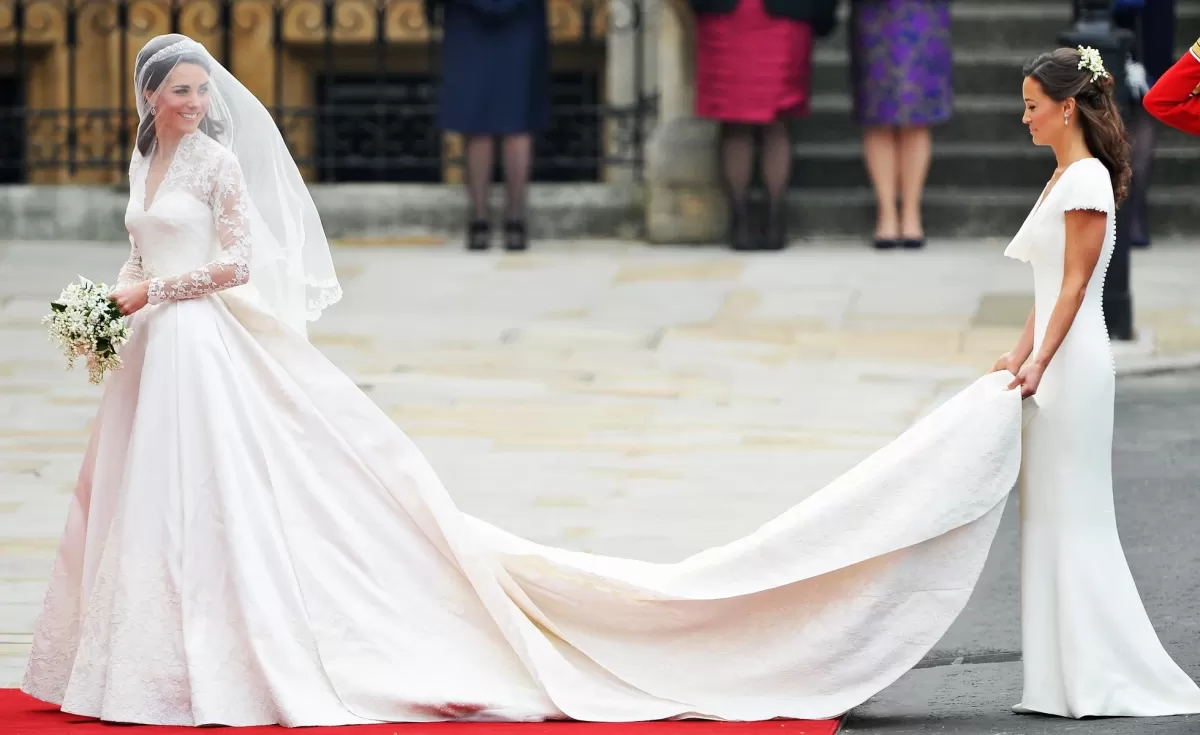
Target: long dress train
[(253, 541)]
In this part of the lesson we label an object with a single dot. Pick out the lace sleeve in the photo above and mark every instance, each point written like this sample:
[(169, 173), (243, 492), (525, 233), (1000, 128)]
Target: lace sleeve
[(131, 271), (228, 201)]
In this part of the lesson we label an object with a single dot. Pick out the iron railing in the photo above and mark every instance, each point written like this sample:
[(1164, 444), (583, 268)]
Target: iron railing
[(352, 84)]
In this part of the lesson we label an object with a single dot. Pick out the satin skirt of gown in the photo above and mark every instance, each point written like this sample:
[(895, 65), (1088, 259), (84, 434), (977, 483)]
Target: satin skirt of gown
[(253, 541), (1088, 646)]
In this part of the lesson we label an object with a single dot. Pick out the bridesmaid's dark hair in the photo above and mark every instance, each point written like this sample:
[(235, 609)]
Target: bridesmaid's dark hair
[(1103, 130), (154, 77)]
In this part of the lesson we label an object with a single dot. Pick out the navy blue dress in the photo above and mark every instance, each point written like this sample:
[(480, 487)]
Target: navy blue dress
[(495, 71)]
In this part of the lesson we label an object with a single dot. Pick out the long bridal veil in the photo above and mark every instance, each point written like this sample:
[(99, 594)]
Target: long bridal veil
[(292, 267)]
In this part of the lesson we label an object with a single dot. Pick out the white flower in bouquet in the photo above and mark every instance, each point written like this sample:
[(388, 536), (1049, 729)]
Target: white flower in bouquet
[(85, 323)]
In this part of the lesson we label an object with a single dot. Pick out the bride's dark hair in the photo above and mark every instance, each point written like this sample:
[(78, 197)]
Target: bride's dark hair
[(153, 76), (1061, 78)]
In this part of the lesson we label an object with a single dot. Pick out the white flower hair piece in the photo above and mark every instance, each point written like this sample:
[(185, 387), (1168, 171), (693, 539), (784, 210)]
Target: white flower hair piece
[(1089, 58)]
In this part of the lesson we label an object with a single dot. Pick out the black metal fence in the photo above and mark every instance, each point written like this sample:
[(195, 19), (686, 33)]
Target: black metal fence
[(352, 84)]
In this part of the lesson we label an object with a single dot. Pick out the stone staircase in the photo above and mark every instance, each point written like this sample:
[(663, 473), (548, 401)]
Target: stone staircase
[(985, 173)]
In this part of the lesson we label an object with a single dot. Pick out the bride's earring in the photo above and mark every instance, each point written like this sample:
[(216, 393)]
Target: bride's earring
[(1066, 118)]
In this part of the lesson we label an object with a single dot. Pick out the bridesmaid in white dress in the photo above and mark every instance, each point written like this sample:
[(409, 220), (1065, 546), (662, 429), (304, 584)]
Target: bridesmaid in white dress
[(253, 541), (1088, 646)]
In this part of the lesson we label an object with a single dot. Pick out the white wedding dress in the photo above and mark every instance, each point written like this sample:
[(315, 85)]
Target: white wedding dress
[(1088, 646), (253, 541)]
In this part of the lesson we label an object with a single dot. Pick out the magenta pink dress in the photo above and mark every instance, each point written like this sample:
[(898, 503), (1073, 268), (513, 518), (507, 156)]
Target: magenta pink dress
[(752, 67)]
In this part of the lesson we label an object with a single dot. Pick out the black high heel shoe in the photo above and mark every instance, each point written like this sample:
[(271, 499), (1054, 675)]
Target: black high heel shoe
[(479, 235), (740, 237), (516, 236), (775, 236)]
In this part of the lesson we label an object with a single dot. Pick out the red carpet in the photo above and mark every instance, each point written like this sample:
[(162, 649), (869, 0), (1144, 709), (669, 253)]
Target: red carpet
[(22, 715)]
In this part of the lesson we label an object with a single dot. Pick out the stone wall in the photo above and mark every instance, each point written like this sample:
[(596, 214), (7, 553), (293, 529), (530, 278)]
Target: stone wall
[(349, 211)]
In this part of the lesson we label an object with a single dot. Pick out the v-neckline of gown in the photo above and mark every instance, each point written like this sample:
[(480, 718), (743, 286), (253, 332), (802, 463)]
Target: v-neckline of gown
[(148, 201), (1016, 248), (1051, 186)]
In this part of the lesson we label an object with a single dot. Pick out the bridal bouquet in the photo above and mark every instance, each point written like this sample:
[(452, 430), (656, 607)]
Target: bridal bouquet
[(84, 322)]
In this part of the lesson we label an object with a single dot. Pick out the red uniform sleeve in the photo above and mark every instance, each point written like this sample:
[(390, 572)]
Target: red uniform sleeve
[(1173, 99)]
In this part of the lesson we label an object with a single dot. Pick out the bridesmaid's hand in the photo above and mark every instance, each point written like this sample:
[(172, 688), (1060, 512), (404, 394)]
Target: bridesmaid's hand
[(1029, 377), (1004, 362), (132, 298)]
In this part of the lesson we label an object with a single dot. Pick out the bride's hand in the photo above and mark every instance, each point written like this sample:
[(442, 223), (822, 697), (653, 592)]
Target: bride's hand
[(130, 299), (1029, 377)]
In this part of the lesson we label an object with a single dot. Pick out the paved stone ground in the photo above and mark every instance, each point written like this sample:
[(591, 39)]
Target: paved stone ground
[(600, 396)]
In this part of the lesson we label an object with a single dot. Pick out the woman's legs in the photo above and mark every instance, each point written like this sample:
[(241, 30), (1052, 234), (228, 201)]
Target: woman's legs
[(776, 171), (737, 166), (518, 165), (916, 150), (480, 158), (880, 144)]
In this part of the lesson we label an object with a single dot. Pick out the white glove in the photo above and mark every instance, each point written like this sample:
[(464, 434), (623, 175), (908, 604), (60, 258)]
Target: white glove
[(1135, 78)]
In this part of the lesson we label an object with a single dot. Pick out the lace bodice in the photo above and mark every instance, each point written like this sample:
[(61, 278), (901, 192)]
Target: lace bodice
[(192, 238)]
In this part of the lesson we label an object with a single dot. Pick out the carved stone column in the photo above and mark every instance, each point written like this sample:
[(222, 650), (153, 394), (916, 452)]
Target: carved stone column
[(684, 202), (631, 72)]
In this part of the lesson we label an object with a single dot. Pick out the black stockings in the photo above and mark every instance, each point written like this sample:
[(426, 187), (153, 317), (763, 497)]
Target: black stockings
[(737, 170), (517, 154)]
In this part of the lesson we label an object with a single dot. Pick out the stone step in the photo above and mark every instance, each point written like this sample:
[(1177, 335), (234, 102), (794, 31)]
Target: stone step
[(414, 212), (970, 165), (976, 71), (420, 214), (1023, 25), (952, 212), (980, 118)]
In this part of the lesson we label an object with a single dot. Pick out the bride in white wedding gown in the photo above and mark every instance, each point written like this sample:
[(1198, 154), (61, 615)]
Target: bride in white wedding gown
[(1088, 648)]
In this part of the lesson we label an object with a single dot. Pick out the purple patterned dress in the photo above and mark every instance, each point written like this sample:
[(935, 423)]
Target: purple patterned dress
[(901, 62)]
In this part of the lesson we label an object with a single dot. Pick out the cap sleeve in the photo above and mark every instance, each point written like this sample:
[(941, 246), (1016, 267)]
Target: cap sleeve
[(1089, 188)]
